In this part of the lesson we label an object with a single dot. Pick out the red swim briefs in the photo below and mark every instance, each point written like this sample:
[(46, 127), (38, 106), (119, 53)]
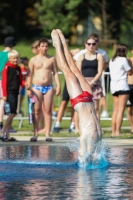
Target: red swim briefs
[(84, 97)]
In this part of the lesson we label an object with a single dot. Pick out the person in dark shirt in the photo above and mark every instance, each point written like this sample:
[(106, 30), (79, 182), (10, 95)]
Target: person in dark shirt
[(11, 81), (91, 66)]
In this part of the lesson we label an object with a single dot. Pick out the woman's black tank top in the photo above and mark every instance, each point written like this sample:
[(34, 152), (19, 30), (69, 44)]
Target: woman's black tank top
[(90, 67)]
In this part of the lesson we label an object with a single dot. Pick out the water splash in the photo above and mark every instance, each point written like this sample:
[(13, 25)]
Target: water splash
[(39, 163), (92, 160)]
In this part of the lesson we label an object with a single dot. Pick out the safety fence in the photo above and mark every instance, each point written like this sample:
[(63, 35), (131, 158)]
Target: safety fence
[(57, 100)]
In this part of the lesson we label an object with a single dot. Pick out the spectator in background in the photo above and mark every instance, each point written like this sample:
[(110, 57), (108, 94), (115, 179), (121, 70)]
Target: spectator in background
[(63, 105), (130, 100), (103, 103), (11, 81), (9, 43), (40, 71), (23, 68), (90, 63), (35, 50), (119, 69), (34, 47)]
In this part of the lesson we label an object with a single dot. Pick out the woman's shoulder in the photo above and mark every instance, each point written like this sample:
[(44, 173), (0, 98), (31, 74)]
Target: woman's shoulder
[(99, 55), (81, 57)]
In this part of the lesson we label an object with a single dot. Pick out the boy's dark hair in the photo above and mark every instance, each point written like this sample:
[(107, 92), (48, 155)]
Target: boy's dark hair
[(43, 40), (121, 51), (24, 58)]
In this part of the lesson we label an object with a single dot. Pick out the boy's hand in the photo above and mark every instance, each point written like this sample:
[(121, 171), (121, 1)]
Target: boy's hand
[(57, 92), (5, 98), (29, 93)]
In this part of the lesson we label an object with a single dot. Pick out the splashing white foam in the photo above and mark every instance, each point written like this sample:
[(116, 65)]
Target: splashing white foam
[(95, 159)]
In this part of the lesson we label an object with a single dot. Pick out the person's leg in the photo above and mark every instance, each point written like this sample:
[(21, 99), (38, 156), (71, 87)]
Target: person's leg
[(1, 106), (6, 128), (61, 110), (41, 120), (103, 105), (60, 115), (21, 100), (122, 99), (63, 105), (37, 110), (96, 104), (1, 113), (130, 116), (48, 99), (9, 125), (83, 83), (72, 124), (73, 85), (54, 113), (114, 115)]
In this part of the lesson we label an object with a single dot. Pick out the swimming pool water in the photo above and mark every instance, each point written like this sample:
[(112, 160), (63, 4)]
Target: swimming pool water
[(52, 172)]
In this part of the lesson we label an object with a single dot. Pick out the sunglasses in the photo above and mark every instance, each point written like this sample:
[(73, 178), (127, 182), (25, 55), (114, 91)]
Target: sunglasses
[(93, 44)]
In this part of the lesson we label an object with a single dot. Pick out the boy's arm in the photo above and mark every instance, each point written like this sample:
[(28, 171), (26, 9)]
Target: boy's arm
[(56, 75), (4, 82), (29, 76), (20, 78)]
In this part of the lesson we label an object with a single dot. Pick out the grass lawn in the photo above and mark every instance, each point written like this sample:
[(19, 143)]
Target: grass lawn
[(25, 50)]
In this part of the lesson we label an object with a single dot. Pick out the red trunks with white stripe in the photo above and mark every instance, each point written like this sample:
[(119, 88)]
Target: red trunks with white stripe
[(84, 97)]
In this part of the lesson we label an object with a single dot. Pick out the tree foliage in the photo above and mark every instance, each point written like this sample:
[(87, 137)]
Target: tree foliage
[(28, 18), (58, 14)]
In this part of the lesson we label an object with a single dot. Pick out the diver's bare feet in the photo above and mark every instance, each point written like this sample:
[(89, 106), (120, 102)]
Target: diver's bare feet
[(55, 37), (61, 36)]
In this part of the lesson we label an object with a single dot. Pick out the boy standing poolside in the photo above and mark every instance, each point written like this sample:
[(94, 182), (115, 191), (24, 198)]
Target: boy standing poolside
[(11, 81), (41, 67), (9, 43)]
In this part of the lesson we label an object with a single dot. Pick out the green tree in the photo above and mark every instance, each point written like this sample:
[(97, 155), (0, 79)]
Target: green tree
[(17, 17), (126, 20), (58, 14)]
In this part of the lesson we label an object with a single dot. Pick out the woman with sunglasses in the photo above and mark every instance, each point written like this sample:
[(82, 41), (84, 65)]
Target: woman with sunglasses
[(91, 66)]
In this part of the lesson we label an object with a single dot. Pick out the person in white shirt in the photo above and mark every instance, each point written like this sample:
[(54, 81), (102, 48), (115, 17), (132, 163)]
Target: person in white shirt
[(119, 69), (103, 104)]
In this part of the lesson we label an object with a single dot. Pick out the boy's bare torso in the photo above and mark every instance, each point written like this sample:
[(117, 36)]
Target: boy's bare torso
[(88, 122), (42, 70)]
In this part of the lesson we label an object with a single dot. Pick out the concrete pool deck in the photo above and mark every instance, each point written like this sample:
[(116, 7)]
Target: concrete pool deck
[(25, 141)]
